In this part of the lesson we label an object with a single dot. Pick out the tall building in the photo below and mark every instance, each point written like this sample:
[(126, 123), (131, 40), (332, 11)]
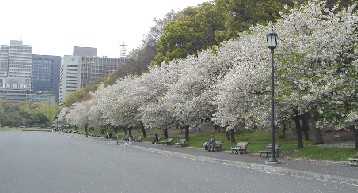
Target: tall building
[(69, 75), (16, 62), (78, 70), (46, 74), (22, 80)]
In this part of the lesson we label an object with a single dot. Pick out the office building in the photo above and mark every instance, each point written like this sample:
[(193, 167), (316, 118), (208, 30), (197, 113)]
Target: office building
[(69, 75), (46, 75), (84, 66), (84, 51), (77, 72), (16, 62)]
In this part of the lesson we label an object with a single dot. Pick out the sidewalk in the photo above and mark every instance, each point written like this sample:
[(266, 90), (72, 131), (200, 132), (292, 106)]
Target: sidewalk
[(311, 169)]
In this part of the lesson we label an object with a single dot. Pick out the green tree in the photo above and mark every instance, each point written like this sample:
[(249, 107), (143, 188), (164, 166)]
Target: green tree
[(199, 28), (39, 119), (241, 15), (28, 110), (194, 30)]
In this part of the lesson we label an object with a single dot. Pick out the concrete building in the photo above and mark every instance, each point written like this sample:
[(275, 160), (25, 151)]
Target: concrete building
[(84, 51), (46, 75), (16, 62), (95, 68), (69, 76), (17, 96), (77, 72)]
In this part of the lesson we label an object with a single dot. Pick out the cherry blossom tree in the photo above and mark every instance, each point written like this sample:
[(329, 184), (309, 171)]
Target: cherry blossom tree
[(315, 68), (240, 95), (79, 116), (315, 45), (154, 85), (316, 77)]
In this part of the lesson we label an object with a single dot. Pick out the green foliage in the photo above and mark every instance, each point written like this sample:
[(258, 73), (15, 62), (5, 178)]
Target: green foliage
[(81, 94), (39, 119), (74, 97), (194, 30), (210, 23), (240, 15), (27, 113)]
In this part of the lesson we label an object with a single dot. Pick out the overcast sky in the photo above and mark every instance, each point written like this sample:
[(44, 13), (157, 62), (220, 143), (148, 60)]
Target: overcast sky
[(53, 27)]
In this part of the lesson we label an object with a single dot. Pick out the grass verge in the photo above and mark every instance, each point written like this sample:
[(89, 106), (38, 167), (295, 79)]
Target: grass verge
[(257, 142)]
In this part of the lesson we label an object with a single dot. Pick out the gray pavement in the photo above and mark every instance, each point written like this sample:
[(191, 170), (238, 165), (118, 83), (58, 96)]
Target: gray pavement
[(42, 162), (310, 169)]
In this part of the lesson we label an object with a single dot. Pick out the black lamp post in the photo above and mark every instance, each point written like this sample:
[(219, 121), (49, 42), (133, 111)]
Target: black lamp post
[(272, 43), (57, 123)]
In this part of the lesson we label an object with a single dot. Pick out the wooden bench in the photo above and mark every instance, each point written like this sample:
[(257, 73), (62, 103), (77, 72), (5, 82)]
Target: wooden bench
[(180, 143), (138, 139), (218, 145), (268, 151), (353, 161), (239, 148), (168, 142)]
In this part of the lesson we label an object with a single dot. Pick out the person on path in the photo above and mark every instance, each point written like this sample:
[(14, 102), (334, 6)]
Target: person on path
[(211, 143), (156, 139)]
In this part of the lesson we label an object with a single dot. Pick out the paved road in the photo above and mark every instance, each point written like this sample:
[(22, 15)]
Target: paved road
[(36, 162)]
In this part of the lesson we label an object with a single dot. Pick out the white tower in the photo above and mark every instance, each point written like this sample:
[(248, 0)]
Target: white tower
[(123, 53)]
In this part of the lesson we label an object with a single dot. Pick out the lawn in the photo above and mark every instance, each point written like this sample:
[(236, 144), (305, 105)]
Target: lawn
[(10, 129), (257, 142)]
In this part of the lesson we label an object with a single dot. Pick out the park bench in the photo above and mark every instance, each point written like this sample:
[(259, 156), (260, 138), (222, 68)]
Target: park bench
[(138, 139), (218, 145), (168, 142), (268, 151), (239, 148), (180, 143), (353, 161)]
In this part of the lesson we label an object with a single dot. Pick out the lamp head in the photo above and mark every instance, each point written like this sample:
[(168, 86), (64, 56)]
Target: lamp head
[(272, 39)]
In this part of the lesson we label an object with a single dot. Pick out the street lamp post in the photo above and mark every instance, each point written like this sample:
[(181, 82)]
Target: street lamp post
[(272, 43)]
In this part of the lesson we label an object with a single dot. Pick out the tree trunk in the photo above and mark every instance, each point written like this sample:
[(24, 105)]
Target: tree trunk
[(284, 128), (356, 138), (165, 130), (296, 119), (130, 132), (86, 129), (116, 128), (305, 125), (227, 135), (317, 131), (232, 135), (144, 131), (125, 131), (317, 134), (218, 128), (186, 132)]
